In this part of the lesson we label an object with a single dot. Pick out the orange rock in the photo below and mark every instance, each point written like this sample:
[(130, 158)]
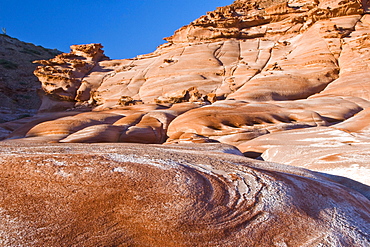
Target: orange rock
[(62, 75), (324, 149), (96, 133), (139, 195), (354, 60), (255, 51), (281, 81), (358, 123), (68, 125), (233, 122)]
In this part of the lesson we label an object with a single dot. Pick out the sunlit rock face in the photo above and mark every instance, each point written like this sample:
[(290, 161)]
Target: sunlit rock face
[(255, 51), (192, 195), (62, 76), (278, 81), (244, 71)]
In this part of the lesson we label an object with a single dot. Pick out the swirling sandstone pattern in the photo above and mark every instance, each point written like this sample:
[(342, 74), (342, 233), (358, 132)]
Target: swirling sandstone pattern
[(136, 195)]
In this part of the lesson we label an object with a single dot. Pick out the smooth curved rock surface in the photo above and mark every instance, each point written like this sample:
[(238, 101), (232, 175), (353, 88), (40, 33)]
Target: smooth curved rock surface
[(140, 195), (358, 124), (235, 122), (354, 59), (325, 149)]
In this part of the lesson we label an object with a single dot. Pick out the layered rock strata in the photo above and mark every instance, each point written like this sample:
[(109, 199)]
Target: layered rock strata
[(62, 77), (253, 51), (142, 195), (237, 75), (250, 69)]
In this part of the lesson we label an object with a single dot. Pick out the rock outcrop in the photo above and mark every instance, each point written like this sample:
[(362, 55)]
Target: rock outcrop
[(278, 81), (19, 88), (62, 76), (244, 71), (253, 51), (142, 195)]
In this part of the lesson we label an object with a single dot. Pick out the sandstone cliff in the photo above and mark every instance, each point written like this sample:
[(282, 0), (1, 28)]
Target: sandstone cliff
[(253, 51)]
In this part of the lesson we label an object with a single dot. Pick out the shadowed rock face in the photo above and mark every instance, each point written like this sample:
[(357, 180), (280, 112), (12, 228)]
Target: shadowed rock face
[(280, 81), (19, 88), (136, 195)]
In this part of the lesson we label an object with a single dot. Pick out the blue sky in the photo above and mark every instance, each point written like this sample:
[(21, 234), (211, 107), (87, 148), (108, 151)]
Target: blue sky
[(125, 28)]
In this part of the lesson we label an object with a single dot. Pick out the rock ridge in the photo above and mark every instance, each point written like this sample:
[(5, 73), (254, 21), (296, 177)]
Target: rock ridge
[(238, 19)]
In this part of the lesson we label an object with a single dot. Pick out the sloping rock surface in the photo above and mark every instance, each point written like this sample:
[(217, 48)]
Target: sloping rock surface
[(143, 195), (244, 71)]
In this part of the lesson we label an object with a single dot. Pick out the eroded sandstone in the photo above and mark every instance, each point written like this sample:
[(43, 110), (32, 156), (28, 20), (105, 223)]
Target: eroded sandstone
[(242, 72), (143, 195), (253, 51), (278, 81)]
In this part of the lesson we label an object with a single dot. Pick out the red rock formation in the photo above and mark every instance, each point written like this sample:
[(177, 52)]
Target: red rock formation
[(62, 76), (304, 62), (169, 196), (283, 81), (354, 60), (252, 51)]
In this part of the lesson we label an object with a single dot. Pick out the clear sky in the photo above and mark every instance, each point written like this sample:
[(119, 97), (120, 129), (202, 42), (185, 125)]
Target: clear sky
[(125, 28)]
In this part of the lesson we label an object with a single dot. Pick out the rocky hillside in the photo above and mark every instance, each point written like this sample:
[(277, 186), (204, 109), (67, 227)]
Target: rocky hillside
[(254, 51), (277, 81), (18, 86)]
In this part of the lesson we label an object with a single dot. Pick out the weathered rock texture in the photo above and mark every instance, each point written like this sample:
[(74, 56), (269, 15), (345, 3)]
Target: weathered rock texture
[(241, 72), (244, 71), (253, 51), (280, 81), (142, 195), (19, 88), (62, 77)]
